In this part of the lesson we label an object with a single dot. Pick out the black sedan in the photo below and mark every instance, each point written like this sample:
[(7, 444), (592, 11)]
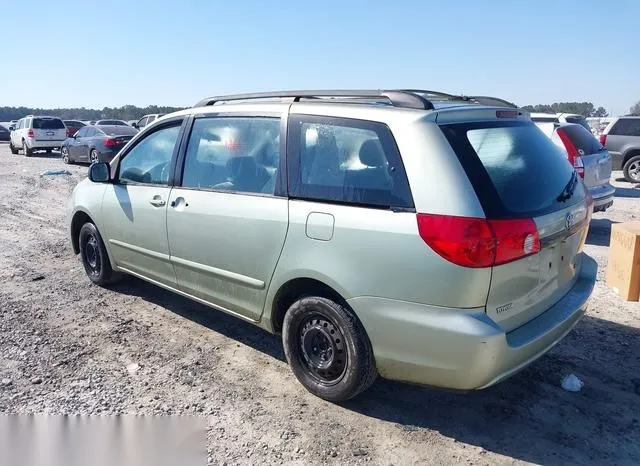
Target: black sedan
[(95, 144)]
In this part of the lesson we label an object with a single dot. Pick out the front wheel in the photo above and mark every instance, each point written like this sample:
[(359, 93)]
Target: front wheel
[(328, 349), (13, 150), (94, 157), (65, 155), (631, 169), (94, 256)]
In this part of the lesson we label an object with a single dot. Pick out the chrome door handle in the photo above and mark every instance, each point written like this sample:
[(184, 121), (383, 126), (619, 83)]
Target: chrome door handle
[(156, 201)]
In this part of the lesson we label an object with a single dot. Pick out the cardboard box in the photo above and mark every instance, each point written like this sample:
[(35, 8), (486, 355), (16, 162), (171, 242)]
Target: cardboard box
[(623, 271)]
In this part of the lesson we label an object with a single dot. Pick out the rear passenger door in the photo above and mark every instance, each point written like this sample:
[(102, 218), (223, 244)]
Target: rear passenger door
[(227, 219)]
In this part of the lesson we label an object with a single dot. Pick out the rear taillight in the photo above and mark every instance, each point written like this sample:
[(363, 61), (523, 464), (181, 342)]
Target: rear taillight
[(478, 242), (603, 139), (572, 152), (110, 143), (30, 133)]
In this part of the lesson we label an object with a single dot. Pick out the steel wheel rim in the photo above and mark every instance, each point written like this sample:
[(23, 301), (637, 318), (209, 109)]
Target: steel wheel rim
[(92, 255), (323, 351), (65, 154), (634, 170)]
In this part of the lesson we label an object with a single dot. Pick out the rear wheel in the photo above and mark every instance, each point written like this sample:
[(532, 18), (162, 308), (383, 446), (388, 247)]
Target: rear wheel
[(328, 349), (13, 150), (631, 169), (25, 148), (94, 256), (65, 155), (94, 157)]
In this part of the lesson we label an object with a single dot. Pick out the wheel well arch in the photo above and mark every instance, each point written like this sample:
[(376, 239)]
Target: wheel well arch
[(79, 219), (295, 289)]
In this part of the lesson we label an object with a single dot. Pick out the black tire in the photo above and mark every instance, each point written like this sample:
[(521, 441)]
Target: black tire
[(64, 153), (94, 157), (94, 256), (13, 150), (631, 169), (27, 152), (328, 349)]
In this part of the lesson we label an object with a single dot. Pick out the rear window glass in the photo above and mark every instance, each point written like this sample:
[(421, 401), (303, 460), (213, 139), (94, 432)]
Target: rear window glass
[(118, 130), (48, 123), (626, 127), (515, 169), (74, 123), (579, 120), (582, 139)]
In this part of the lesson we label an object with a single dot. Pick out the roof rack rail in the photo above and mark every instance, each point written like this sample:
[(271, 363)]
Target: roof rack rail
[(420, 99), (397, 98), (478, 99)]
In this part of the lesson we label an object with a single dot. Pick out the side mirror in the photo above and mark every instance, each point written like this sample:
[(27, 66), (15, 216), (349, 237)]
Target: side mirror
[(100, 172), (12, 127), (135, 125)]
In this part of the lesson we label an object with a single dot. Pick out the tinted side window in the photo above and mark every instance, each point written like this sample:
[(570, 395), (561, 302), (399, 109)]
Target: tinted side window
[(90, 132), (142, 122), (626, 127), (150, 159), (82, 132), (346, 161), (233, 154)]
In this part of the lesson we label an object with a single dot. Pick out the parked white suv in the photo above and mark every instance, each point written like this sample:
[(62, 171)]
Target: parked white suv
[(33, 133)]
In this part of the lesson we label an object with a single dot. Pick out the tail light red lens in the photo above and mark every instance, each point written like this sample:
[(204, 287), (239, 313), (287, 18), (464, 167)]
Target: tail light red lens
[(477, 242), (603, 139), (110, 142), (572, 152), (30, 133)]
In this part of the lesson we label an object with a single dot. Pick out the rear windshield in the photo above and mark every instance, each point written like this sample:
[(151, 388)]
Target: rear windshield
[(48, 123), (582, 139), (626, 127), (515, 169), (111, 122), (579, 120), (121, 130), (74, 123)]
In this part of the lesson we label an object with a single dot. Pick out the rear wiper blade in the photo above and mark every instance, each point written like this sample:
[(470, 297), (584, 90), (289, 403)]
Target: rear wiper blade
[(567, 192)]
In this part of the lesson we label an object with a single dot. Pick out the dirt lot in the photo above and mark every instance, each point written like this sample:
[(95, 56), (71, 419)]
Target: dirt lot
[(69, 347)]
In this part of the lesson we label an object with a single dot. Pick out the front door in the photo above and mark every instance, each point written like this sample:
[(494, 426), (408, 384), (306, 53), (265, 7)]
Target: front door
[(226, 223), (135, 206)]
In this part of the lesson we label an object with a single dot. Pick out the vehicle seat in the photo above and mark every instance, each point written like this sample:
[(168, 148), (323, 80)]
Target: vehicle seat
[(375, 174), (247, 175), (325, 167)]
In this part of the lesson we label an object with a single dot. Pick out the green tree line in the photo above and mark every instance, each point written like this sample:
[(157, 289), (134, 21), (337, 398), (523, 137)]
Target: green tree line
[(586, 109), (126, 112)]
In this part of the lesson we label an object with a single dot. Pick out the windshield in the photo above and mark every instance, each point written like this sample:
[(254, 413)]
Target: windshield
[(515, 169)]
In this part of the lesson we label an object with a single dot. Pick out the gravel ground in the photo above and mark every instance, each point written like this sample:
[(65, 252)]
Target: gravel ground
[(69, 347)]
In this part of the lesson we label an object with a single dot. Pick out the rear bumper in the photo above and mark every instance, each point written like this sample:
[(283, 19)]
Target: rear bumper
[(464, 349), (39, 144), (602, 197)]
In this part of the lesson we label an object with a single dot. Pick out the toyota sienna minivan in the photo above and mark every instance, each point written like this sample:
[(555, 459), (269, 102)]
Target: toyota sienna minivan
[(416, 235)]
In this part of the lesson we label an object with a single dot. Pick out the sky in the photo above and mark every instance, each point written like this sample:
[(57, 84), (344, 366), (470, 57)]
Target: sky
[(97, 54)]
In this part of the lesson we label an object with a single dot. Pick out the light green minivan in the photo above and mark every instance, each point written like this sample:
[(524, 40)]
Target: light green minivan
[(425, 237)]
